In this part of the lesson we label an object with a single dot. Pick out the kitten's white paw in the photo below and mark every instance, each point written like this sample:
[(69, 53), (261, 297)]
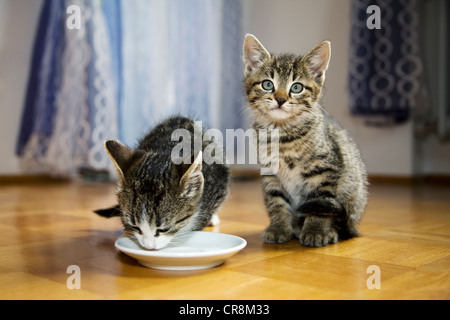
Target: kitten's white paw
[(214, 220)]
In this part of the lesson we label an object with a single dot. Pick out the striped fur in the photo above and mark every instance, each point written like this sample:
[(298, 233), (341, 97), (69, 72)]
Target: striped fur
[(158, 199), (320, 190)]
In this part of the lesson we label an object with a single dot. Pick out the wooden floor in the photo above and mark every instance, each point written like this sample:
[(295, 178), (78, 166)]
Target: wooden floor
[(45, 228)]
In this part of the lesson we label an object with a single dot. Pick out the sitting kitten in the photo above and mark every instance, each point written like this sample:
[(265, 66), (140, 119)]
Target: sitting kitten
[(159, 199), (320, 189)]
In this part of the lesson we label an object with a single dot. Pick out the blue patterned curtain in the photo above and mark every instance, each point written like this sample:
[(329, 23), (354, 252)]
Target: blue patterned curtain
[(385, 65), (129, 65)]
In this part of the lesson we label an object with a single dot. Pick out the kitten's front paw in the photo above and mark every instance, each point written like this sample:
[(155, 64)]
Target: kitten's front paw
[(276, 235), (318, 232), (318, 239), (215, 221)]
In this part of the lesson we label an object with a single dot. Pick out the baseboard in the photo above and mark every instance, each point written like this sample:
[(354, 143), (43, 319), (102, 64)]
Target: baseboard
[(442, 179), (247, 174), (239, 174), (30, 179), (391, 179)]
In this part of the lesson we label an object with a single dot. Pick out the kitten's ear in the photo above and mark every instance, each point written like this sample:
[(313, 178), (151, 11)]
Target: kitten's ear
[(119, 154), (192, 180), (122, 156), (317, 60), (109, 212), (254, 53)]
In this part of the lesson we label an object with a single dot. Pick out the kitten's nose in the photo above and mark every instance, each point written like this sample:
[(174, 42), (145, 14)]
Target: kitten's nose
[(280, 101), (148, 243)]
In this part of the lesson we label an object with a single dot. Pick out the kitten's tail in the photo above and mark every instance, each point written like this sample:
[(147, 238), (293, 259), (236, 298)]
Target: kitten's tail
[(109, 212)]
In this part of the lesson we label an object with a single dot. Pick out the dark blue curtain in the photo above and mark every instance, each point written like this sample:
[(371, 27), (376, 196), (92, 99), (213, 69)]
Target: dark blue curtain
[(44, 79), (384, 63)]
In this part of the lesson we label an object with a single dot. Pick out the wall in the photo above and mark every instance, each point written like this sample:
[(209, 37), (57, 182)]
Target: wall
[(18, 19), (297, 26), (282, 25)]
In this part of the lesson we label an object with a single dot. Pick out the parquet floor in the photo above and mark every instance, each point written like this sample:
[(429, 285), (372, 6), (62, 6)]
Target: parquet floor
[(45, 228)]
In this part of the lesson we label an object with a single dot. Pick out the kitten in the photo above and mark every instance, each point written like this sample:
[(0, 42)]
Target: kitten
[(320, 189), (158, 199)]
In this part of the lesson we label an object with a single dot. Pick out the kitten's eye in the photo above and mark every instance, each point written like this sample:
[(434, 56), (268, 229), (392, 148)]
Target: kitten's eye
[(133, 228), (297, 87), (158, 231), (162, 230), (267, 85)]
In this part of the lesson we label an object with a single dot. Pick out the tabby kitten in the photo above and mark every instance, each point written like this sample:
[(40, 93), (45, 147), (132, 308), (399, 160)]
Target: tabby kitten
[(158, 199), (320, 189)]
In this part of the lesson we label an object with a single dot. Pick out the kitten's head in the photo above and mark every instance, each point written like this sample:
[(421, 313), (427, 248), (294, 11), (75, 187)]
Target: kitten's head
[(281, 88), (157, 198)]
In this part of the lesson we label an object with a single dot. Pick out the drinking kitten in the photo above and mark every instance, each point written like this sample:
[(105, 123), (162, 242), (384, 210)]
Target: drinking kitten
[(320, 189), (158, 199)]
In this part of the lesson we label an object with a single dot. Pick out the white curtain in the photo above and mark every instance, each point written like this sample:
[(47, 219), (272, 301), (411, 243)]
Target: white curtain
[(130, 64)]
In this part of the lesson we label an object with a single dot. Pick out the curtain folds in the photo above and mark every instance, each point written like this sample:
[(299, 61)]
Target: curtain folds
[(385, 63), (130, 64)]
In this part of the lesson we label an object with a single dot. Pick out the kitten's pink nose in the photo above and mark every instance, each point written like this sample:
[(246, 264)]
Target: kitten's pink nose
[(148, 243), (280, 101)]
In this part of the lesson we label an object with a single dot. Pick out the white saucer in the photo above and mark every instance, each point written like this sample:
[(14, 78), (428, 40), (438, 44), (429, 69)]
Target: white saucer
[(199, 250)]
